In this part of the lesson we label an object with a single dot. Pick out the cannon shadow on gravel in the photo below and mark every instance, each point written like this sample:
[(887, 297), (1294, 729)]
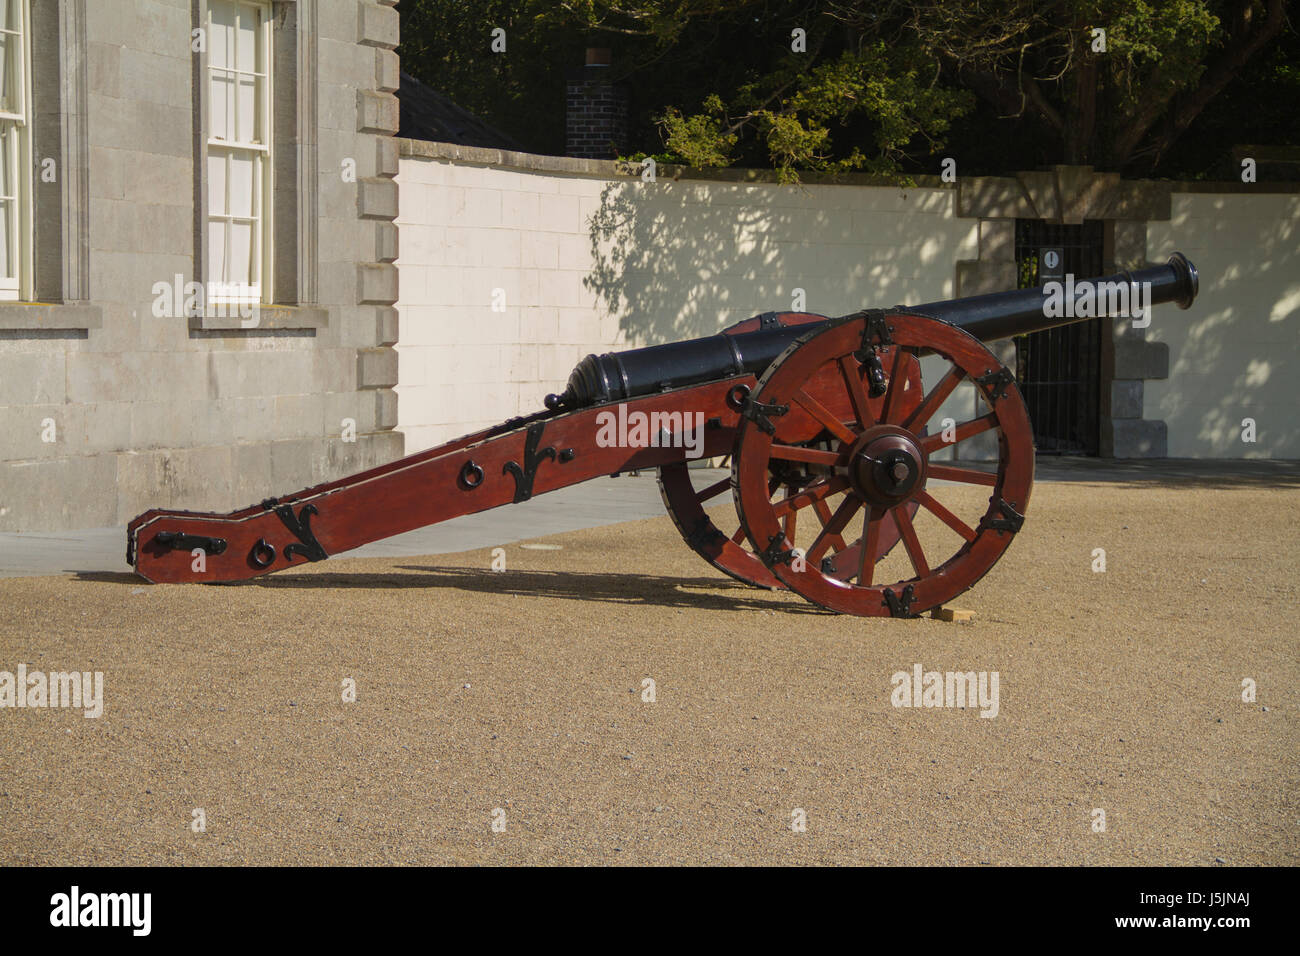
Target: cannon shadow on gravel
[(614, 588)]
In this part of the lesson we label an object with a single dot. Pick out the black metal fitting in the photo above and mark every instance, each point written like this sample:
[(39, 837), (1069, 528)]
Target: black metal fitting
[(179, 541), (262, 554), (1011, 520), (900, 605), (996, 382), (471, 474)]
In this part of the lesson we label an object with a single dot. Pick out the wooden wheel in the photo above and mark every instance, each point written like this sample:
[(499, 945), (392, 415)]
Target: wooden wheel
[(881, 470), (727, 549), (725, 552)]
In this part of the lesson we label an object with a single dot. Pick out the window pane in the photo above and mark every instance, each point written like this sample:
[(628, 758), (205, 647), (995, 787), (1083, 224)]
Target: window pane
[(217, 183), (8, 81), (248, 90), (216, 251), (241, 185), (241, 246), (222, 29), (6, 267), (246, 40), (223, 98), (8, 142), (8, 15)]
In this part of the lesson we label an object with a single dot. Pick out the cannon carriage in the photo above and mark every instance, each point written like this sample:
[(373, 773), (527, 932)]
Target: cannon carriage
[(842, 488)]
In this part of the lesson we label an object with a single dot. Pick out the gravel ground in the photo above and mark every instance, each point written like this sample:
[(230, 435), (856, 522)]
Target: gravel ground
[(522, 693)]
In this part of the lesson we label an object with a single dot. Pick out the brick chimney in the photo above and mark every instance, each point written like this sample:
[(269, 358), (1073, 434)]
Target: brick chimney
[(596, 118)]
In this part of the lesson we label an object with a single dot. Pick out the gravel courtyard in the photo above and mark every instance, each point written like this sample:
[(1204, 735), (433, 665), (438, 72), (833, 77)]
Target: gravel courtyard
[(518, 697)]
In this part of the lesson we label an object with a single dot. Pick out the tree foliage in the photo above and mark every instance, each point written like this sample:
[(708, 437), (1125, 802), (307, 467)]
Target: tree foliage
[(886, 86)]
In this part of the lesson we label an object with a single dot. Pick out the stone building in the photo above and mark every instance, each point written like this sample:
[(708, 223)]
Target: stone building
[(196, 252)]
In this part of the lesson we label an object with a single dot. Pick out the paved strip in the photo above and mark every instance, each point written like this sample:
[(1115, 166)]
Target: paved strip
[(600, 502)]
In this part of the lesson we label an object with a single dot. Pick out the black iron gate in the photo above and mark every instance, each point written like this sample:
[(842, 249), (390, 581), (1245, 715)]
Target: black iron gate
[(1059, 370)]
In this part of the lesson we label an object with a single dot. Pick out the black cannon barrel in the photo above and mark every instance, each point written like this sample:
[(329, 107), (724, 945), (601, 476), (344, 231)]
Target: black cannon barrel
[(617, 376), (1000, 315)]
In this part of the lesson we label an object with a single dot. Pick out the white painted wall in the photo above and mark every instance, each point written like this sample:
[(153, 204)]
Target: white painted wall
[(590, 264), (594, 264), (1235, 353)]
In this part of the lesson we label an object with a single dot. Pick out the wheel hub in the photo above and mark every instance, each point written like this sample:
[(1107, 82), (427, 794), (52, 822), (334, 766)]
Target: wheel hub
[(886, 466)]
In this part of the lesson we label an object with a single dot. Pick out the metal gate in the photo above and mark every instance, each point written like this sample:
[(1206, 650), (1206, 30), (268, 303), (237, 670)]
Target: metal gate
[(1059, 370)]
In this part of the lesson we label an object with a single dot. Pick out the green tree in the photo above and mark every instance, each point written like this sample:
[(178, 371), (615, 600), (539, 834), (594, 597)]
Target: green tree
[(881, 86)]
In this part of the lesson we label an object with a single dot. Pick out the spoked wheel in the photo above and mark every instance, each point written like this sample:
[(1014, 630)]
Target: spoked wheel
[(880, 471), (727, 548), (725, 552)]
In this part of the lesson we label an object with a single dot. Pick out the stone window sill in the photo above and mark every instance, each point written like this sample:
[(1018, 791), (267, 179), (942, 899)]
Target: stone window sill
[(38, 316), (268, 317)]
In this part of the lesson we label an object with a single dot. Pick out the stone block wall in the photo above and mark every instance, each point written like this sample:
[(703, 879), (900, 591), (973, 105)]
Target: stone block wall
[(183, 410)]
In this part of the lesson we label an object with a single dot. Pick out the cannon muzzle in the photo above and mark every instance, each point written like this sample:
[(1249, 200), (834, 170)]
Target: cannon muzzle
[(618, 376)]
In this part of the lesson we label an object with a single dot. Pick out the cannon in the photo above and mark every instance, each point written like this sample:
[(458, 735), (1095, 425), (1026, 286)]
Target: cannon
[(834, 454)]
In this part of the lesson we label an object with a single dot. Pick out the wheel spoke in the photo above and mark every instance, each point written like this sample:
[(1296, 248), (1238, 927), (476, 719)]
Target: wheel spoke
[(813, 456), (870, 541), (932, 443), (823, 488), (739, 536), (968, 475), (838, 521), (824, 415), (930, 404), (823, 511), (911, 542), (894, 396), (713, 490), (947, 517), (851, 372)]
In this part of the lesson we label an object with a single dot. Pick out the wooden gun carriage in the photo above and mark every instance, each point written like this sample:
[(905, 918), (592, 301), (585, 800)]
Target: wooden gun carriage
[(835, 457)]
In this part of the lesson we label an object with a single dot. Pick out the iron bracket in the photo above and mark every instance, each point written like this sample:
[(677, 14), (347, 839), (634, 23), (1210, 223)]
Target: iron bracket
[(900, 605), (997, 382), (300, 525), (179, 541), (1011, 519), (532, 458), (759, 413), (875, 333), (775, 553), (704, 534)]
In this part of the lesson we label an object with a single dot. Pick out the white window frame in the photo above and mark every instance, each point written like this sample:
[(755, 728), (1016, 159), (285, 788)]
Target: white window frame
[(261, 147), (16, 141)]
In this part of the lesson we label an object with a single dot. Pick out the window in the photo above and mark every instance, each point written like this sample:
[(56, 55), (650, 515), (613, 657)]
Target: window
[(239, 157), (15, 152)]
